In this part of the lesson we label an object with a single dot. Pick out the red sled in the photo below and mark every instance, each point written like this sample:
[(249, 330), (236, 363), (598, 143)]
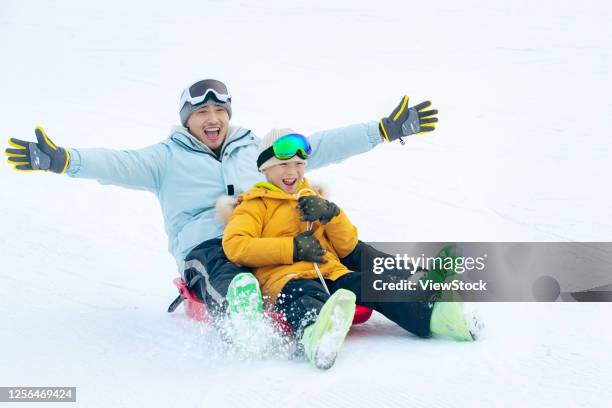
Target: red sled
[(196, 309)]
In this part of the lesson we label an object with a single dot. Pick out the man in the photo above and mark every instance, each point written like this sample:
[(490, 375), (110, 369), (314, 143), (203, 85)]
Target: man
[(199, 162)]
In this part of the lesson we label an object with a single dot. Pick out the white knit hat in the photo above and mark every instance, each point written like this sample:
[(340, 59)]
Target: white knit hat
[(267, 141)]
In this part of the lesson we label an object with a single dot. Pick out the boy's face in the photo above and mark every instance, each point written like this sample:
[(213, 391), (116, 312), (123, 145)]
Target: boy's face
[(209, 124), (285, 175)]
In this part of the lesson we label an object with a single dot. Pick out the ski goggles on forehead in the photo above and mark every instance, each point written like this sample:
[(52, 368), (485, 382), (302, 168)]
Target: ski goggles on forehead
[(285, 148), (201, 90)]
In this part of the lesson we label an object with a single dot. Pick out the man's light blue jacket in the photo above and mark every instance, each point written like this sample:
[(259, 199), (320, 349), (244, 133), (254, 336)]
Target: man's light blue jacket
[(188, 178)]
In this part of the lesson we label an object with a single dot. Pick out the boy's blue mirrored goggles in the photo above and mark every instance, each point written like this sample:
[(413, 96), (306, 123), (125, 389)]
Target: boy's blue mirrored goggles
[(286, 147)]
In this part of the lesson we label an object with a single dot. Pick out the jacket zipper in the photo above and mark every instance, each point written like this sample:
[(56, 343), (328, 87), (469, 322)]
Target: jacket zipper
[(212, 154), (198, 151), (235, 140)]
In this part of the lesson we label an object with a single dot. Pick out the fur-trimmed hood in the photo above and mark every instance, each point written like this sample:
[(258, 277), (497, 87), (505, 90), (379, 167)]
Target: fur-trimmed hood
[(226, 204)]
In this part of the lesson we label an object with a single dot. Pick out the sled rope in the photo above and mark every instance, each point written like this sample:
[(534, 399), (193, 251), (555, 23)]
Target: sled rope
[(309, 228)]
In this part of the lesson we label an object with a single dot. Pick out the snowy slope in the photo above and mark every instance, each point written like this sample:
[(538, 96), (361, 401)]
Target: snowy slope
[(521, 154)]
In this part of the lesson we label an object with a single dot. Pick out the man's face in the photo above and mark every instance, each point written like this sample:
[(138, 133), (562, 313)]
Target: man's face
[(285, 175), (209, 125)]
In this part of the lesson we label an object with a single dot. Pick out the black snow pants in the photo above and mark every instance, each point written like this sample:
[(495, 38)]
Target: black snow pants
[(301, 300), (209, 260)]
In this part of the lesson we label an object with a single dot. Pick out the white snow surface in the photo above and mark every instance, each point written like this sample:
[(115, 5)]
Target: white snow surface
[(522, 153)]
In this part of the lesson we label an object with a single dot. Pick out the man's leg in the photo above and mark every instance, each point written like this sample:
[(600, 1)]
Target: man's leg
[(209, 260), (364, 254), (353, 261), (412, 316), (300, 302)]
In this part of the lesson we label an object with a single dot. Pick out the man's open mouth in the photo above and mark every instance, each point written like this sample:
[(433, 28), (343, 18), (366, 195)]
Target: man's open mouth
[(212, 133)]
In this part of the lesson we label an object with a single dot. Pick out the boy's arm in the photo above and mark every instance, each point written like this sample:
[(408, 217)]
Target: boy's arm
[(242, 241), (342, 234)]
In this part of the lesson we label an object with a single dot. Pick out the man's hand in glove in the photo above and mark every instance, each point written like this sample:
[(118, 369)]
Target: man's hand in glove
[(405, 121), (42, 155)]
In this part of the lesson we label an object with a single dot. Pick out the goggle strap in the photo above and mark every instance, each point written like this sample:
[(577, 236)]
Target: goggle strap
[(265, 156), (195, 100), (269, 153)]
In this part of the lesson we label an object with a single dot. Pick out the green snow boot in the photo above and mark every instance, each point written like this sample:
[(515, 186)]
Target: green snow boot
[(448, 319), (322, 339), (444, 265), (244, 297)]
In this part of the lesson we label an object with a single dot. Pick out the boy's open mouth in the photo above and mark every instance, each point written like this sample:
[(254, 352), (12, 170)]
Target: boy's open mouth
[(289, 182)]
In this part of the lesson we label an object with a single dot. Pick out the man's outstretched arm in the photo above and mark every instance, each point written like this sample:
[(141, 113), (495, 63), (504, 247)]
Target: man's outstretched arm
[(138, 169), (333, 146)]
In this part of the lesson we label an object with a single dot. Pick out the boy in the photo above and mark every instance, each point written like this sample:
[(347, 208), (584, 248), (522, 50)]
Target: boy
[(294, 239)]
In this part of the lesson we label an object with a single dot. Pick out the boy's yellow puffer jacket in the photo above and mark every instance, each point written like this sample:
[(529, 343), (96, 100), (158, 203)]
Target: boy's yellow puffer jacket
[(260, 235)]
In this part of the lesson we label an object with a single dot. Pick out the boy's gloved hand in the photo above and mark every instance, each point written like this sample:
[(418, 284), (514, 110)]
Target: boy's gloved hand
[(43, 155), (317, 208), (405, 121), (306, 247)]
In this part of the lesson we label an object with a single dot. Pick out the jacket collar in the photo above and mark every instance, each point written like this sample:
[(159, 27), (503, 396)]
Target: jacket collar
[(272, 191), (182, 136)]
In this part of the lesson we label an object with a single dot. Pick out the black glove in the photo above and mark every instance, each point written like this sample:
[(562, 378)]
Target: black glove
[(316, 208), (43, 155), (306, 247), (405, 121)]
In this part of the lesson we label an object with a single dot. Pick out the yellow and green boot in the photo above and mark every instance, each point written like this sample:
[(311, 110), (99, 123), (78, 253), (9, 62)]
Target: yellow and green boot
[(449, 317), (323, 339), (448, 320), (244, 297)]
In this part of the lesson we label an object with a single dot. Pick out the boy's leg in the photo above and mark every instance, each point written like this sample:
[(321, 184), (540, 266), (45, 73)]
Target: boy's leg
[(319, 321), (323, 338), (209, 260), (412, 316), (300, 302)]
